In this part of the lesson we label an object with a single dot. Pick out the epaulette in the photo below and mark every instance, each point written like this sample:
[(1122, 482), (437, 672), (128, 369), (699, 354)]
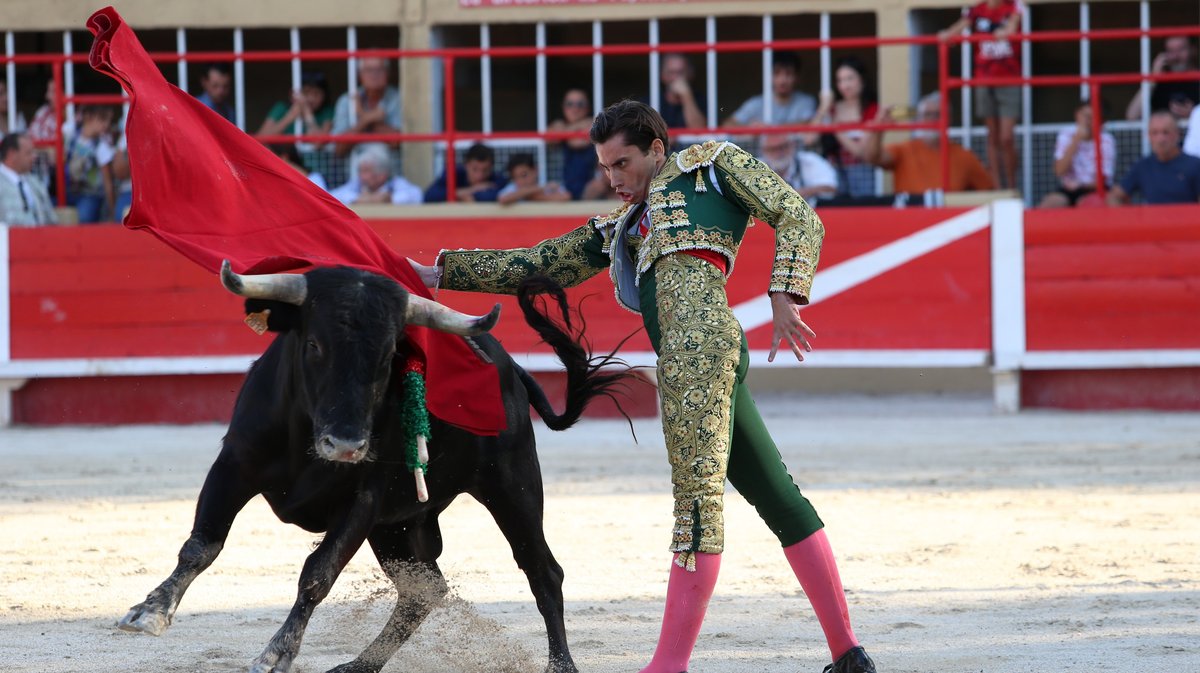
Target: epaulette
[(603, 221), (607, 225), (700, 155)]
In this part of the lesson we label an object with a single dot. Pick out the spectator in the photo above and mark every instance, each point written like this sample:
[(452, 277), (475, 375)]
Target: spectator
[(679, 104), (788, 106), (918, 163), (310, 106), (523, 183), (91, 188), (477, 180), (998, 106), (4, 129), (216, 85), (1166, 175), (1178, 98), (807, 172), (579, 157), (376, 105), (290, 155), (43, 129), (24, 200), (853, 100), (1075, 160), (374, 182)]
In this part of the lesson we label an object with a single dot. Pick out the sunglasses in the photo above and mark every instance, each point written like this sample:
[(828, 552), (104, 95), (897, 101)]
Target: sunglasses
[(575, 103)]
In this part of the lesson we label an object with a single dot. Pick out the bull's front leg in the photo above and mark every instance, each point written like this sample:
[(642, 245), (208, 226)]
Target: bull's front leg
[(224, 495), (321, 570)]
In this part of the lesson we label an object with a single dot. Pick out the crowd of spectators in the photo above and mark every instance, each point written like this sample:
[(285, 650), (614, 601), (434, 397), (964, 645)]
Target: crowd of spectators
[(824, 167)]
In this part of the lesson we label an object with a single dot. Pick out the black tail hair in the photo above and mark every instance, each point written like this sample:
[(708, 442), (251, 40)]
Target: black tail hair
[(586, 378)]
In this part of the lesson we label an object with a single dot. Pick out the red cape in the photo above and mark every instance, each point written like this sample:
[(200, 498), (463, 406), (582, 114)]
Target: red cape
[(212, 192)]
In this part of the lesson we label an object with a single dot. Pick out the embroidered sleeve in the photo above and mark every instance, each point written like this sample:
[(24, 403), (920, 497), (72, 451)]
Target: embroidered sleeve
[(765, 196), (569, 259)]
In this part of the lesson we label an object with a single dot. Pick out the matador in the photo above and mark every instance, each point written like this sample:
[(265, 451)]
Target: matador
[(669, 249)]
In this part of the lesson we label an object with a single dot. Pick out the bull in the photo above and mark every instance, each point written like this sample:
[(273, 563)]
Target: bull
[(316, 429)]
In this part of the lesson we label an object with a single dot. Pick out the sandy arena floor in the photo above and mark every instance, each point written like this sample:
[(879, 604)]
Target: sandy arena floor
[(968, 542)]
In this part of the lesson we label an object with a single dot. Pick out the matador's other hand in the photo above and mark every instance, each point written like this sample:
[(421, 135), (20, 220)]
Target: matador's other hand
[(789, 327), (430, 275)]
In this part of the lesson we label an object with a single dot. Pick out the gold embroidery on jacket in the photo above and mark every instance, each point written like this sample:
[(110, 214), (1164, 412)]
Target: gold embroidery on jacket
[(798, 230), (501, 271)]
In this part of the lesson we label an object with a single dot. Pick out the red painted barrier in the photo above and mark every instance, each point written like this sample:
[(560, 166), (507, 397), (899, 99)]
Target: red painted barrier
[(1116, 278), (102, 291), (1095, 280)]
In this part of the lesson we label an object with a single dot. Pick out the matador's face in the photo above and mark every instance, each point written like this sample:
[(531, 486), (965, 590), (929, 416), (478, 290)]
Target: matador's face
[(628, 168)]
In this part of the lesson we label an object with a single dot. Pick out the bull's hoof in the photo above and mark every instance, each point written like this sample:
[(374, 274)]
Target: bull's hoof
[(559, 666), (142, 618), (271, 662)]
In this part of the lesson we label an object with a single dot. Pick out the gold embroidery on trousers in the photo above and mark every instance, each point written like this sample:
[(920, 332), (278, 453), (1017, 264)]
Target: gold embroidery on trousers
[(699, 351)]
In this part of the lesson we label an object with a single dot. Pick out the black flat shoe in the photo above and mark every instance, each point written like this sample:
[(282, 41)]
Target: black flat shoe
[(855, 660)]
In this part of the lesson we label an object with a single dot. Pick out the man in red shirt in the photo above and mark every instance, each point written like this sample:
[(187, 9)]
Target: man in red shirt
[(999, 107)]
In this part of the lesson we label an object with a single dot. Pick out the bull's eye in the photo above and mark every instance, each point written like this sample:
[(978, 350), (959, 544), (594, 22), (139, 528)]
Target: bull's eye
[(314, 348)]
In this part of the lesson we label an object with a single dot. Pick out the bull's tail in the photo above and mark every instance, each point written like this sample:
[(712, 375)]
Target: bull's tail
[(588, 376)]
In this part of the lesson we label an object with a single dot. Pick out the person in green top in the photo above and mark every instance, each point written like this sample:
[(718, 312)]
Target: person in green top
[(668, 249), (310, 106)]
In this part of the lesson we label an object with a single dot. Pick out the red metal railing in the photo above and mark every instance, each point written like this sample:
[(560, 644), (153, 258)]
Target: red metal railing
[(1093, 82), (450, 56)]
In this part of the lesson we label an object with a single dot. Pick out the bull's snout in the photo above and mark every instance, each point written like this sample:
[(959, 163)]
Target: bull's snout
[(343, 450)]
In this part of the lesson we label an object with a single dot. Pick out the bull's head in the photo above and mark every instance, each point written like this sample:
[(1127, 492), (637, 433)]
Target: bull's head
[(344, 325)]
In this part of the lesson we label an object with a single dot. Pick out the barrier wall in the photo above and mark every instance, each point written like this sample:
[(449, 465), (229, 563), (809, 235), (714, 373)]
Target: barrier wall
[(109, 325)]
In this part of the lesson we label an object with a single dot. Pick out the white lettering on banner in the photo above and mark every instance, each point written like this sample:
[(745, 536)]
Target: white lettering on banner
[(996, 50), (858, 270)]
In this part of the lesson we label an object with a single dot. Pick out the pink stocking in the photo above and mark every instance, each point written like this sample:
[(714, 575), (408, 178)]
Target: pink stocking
[(687, 601), (812, 561)]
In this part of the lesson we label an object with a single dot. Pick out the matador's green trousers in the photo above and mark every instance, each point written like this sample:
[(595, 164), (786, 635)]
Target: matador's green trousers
[(711, 425)]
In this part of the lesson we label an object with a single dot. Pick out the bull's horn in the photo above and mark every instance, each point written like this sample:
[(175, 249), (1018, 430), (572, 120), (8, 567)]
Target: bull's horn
[(289, 288), (426, 313)]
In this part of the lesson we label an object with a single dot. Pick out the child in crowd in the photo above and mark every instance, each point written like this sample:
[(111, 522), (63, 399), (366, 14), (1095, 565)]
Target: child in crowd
[(523, 183), (91, 188)]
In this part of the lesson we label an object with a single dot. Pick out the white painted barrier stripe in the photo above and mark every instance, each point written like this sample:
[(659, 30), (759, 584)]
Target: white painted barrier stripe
[(1115, 359), (236, 364), (5, 306), (545, 362), (151, 366), (858, 270)]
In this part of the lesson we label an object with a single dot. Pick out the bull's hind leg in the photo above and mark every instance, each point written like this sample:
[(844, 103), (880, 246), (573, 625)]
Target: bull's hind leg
[(408, 554), (224, 495), (513, 494)]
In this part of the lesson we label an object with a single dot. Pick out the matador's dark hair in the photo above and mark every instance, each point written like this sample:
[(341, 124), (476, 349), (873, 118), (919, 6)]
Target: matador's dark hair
[(639, 122)]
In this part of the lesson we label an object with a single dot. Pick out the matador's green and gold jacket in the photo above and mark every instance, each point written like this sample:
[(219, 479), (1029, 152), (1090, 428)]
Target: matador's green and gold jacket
[(703, 199)]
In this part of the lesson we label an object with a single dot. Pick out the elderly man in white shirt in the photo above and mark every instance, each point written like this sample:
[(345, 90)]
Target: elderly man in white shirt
[(807, 172), (23, 198), (373, 181)]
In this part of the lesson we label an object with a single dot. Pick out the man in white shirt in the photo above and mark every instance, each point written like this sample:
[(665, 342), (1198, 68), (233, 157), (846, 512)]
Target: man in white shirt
[(374, 182), (23, 198), (807, 172)]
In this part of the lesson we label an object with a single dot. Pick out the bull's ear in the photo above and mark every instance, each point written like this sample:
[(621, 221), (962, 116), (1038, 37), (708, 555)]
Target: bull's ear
[(280, 316)]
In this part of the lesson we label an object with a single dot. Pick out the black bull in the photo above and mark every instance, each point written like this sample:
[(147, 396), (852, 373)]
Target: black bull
[(317, 429)]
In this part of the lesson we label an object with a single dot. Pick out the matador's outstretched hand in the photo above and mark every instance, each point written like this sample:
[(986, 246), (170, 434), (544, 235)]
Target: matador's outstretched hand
[(430, 275), (789, 327)]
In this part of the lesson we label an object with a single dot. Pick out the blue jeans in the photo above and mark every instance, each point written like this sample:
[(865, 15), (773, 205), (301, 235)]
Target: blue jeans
[(90, 207)]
